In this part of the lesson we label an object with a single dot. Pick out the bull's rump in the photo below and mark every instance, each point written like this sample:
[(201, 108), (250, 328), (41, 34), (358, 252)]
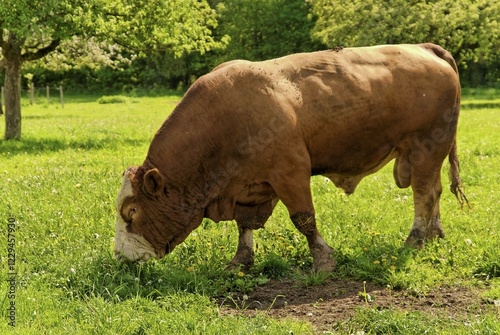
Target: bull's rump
[(349, 109)]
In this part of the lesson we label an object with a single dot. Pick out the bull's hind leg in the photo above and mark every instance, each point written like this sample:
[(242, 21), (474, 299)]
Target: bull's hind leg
[(248, 219), (427, 189)]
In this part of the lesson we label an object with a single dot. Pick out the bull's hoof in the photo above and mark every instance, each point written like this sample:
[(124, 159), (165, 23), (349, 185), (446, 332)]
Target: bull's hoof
[(324, 266), (414, 241), (238, 267), (325, 262), (417, 238)]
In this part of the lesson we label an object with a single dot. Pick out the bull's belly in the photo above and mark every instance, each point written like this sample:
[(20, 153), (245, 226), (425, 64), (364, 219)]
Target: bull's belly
[(349, 160), (348, 170)]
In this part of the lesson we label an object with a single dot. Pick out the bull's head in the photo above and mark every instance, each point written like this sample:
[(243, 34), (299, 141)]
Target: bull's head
[(147, 223)]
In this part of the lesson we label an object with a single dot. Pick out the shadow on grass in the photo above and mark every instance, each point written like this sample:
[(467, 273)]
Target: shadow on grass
[(374, 264), (114, 281), (44, 145), (48, 116)]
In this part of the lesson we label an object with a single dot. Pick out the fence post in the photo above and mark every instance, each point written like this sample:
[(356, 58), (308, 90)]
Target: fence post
[(1, 101), (32, 93), (48, 94), (62, 96)]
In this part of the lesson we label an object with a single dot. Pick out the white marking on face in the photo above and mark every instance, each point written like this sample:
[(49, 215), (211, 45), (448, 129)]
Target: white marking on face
[(130, 246)]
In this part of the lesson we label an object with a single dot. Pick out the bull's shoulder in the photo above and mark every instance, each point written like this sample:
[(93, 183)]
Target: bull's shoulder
[(240, 74), (222, 77)]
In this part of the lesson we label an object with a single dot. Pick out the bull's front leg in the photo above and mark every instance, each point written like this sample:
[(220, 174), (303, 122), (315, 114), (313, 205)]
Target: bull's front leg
[(322, 253), (248, 219), (244, 257)]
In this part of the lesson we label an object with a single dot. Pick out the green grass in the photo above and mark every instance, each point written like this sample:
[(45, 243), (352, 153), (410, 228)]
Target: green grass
[(388, 322), (60, 184)]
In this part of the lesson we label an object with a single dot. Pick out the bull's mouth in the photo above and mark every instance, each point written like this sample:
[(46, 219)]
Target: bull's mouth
[(162, 252), (176, 240), (122, 258), (169, 247)]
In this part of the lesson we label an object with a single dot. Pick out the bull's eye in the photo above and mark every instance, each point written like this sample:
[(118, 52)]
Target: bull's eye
[(131, 212)]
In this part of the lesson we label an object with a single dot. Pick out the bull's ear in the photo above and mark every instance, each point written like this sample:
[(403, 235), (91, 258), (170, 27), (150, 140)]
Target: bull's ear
[(153, 182)]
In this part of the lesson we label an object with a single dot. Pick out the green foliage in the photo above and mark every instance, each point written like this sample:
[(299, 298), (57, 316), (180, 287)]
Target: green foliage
[(177, 26), (468, 29), (171, 43), (39, 21), (265, 29)]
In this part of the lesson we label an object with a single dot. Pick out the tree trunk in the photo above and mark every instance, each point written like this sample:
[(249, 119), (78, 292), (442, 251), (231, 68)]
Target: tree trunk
[(13, 99)]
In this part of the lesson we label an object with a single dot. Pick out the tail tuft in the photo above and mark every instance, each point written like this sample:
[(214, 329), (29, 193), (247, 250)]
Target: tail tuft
[(456, 181)]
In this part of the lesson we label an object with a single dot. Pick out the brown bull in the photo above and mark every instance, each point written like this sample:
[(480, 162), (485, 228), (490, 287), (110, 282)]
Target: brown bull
[(251, 133)]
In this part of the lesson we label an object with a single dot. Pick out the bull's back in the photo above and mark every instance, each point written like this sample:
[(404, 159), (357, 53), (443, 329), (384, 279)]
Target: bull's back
[(358, 105), (349, 108)]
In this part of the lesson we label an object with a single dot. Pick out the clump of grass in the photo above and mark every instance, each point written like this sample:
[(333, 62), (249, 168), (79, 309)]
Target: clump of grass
[(315, 278), (490, 267), (113, 99), (275, 267)]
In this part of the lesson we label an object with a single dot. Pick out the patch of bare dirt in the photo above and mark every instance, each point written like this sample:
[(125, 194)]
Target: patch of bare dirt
[(337, 300)]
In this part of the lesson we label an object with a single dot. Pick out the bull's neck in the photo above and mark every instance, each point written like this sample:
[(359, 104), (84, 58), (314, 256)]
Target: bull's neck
[(178, 150)]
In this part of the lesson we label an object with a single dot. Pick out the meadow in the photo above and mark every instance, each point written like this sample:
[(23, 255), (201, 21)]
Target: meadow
[(59, 185)]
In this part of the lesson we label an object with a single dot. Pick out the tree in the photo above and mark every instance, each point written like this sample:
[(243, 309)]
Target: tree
[(168, 39), (263, 29), (469, 29), (31, 29), (179, 26), (83, 64), (78, 52)]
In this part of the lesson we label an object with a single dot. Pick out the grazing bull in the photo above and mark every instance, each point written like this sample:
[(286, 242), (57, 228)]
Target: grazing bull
[(249, 134)]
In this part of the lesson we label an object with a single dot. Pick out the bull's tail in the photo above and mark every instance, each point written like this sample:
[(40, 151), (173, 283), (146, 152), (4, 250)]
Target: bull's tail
[(456, 181)]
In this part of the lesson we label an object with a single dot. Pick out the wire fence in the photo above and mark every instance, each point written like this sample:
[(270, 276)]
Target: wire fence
[(34, 95)]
